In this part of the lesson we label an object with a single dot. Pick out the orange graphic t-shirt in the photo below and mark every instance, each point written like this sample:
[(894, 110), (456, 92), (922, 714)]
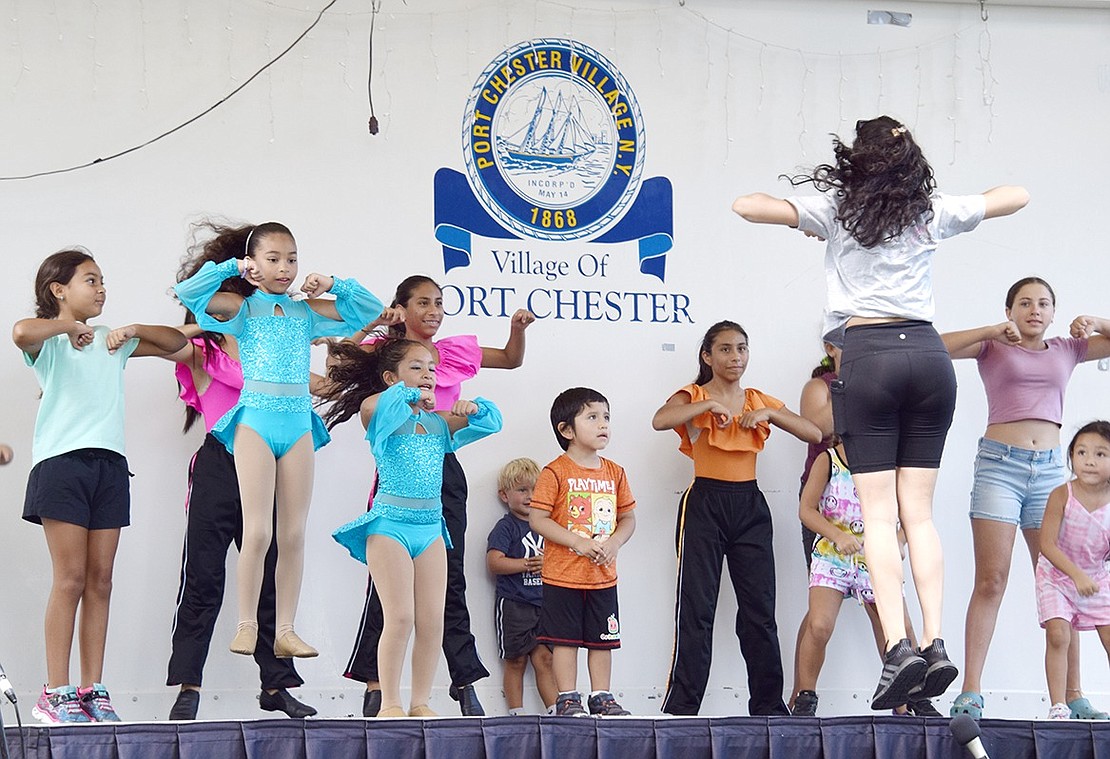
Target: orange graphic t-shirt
[(586, 502)]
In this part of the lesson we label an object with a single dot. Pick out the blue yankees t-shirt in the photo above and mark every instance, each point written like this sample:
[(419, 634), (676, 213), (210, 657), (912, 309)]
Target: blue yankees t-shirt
[(514, 538)]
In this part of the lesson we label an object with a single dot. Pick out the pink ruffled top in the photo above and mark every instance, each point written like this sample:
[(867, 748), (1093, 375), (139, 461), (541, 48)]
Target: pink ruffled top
[(460, 358), (222, 393), (725, 453)]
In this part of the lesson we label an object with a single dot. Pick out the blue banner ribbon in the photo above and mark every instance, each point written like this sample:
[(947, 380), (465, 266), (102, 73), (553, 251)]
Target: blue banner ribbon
[(459, 215)]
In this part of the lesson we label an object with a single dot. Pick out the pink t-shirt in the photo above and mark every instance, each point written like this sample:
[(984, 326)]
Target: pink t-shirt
[(1026, 384), (222, 393), (460, 358)]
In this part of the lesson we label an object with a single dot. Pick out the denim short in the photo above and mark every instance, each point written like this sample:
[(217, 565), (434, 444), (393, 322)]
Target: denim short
[(1012, 484)]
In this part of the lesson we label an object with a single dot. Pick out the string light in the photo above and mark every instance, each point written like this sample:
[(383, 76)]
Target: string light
[(659, 44), (506, 8), (840, 90), (728, 87), (917, 77), (802, 107), (987, 73), (762, 77), (879, 101), (955, 94)]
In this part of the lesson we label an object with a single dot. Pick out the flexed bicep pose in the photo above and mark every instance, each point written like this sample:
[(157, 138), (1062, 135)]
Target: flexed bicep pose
[(724, 516), (272, 430), (416, 313), (403, 538), (1019, 461), (78, 489), (882, 218)]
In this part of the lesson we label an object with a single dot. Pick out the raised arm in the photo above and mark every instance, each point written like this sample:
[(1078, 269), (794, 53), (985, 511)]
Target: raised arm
[(354, 306), (761, 208), (1097, 332), (512, 355), (200, 294), (154, 340), (1005, 200), (30, 334), (967, 343), (678, 410), (785, 420)]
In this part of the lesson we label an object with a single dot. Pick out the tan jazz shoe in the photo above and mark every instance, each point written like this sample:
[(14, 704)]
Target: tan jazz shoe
[(246, 638), (289, 644), (422, 710), (391, 712)]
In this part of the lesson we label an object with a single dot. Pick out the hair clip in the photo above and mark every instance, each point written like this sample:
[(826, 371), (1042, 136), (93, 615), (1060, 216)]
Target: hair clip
[(898, 131)]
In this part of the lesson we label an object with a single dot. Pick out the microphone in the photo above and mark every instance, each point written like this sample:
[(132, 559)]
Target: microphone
[(6, 686), (966, 732)]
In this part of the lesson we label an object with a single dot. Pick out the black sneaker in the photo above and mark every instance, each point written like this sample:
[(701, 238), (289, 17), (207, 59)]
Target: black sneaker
[(570, 705), (922, 707), (371, 703), (940, 673), (903, 671), (805, 704), (469, 704), (604, 705), (283, 701), (186, 705)]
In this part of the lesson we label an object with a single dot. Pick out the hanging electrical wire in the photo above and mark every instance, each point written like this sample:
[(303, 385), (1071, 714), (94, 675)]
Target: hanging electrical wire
[(184, 124), (375, 6)]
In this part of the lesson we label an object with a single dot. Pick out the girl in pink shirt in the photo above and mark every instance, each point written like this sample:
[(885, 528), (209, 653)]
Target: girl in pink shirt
[(1019, 460), (1073, 585)]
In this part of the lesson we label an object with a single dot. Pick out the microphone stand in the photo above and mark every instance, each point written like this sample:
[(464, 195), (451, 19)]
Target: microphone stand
[(10, 695)]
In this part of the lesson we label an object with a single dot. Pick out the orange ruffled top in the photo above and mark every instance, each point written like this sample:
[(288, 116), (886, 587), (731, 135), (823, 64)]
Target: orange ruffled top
[(725, 453)]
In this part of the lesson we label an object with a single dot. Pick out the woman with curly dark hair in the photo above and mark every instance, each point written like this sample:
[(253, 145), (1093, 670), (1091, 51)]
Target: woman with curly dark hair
[(882, 218)]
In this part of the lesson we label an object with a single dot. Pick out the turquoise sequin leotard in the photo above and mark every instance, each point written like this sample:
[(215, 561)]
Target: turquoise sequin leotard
[(274, 351), (408, 448)]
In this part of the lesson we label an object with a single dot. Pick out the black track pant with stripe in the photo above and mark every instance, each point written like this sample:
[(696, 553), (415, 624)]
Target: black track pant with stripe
[(725, 521), (214, 520)]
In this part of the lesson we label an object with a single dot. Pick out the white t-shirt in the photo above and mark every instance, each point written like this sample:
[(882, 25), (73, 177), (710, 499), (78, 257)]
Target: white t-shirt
[(892, 279)]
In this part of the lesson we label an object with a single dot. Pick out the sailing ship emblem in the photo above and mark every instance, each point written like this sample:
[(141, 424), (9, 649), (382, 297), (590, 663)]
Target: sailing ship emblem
[(553, 140), (565, 138)]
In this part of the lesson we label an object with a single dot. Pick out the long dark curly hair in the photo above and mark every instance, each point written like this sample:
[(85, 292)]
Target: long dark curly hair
[(219, 241), (883, 182), (355, 374)]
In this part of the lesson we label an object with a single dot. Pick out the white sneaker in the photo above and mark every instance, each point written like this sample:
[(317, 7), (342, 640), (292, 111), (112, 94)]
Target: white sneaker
[(1059, 711)]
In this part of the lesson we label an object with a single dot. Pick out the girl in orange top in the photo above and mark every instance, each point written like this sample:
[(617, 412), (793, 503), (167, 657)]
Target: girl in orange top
[(723, 514)]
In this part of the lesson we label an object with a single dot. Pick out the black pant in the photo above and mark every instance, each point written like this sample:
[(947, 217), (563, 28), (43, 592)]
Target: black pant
[(727, 520), (459, 647), (213, 521)]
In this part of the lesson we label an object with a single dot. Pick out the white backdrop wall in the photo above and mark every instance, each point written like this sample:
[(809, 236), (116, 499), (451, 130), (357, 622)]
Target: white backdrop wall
[(732, 95)]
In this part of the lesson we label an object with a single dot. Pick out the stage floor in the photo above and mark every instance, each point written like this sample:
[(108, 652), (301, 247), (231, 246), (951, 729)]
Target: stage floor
[(561, 738)]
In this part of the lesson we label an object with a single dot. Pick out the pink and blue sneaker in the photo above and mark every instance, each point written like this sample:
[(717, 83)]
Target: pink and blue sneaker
[(97, 703), (59, 705)]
